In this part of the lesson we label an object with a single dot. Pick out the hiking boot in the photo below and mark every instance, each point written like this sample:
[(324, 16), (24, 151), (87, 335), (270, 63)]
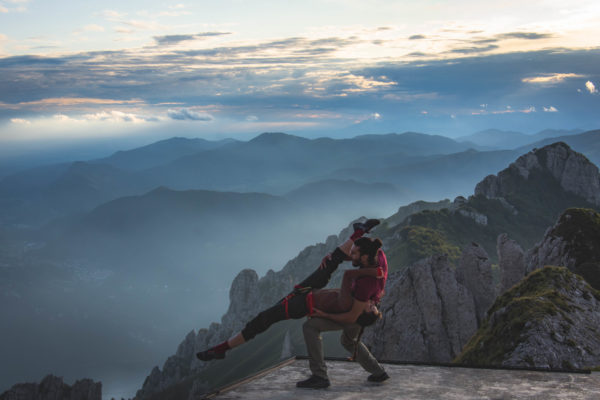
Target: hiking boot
[(366, 226), (378, 378), (210, 354), (314, 382)]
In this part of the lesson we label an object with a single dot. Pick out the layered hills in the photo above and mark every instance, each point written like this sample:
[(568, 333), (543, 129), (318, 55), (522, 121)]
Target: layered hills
[(419, 166)]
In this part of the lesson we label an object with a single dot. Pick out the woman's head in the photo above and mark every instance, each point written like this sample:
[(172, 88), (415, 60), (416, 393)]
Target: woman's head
[(364, 251)]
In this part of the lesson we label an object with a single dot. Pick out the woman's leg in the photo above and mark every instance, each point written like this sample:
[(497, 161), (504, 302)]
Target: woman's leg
[(322, 275), (296, 308)]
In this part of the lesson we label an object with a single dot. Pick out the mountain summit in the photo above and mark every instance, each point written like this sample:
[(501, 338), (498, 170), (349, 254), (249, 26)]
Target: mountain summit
[(575, 173)]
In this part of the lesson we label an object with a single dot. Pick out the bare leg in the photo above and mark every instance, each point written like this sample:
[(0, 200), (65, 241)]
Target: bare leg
[(346, 246), (236, 340)]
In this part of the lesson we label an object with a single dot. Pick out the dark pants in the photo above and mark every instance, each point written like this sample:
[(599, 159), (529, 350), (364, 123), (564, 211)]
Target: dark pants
[(296, 304)]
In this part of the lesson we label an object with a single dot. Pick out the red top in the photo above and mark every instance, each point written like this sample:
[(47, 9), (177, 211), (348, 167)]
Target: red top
[(367, 288)]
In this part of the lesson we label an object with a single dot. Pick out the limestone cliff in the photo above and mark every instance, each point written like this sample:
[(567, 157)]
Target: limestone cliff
[(427, 314), (53, 388), (511, 262)]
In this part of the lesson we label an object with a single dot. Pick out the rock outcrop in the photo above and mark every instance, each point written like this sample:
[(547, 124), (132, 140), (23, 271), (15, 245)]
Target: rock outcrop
[(511, 261), (575, 173), (427, 314), (474, 271), (53, 388), (549, 320), (573, 242)]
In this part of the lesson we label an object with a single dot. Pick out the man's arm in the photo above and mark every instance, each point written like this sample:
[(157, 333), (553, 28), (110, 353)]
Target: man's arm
[(344, 318), (376, 272)]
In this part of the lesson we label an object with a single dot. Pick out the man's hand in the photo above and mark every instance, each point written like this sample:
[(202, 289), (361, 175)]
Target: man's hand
[(324, 261)]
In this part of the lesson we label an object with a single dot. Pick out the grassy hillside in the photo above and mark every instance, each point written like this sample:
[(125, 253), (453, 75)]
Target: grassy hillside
[(541, 294)]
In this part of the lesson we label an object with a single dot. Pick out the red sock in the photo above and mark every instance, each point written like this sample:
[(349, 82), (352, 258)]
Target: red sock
[(222, 348), (357, 234)]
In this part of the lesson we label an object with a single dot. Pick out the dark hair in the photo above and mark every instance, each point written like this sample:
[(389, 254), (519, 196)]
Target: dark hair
[(369, 247), (367, 318)]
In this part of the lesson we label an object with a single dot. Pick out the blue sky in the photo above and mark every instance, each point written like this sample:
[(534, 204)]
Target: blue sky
[(234, 68)]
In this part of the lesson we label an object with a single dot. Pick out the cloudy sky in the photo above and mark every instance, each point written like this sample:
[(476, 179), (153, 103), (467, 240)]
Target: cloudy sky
[(236, 68)]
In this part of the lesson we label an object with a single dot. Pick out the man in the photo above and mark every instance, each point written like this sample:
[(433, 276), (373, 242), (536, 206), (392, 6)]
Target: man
[(366, 291), (307, 296)]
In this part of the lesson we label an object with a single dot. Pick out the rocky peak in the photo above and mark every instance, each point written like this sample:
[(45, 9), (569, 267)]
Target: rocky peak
[(573, 242), (549, 320), (575, 173)]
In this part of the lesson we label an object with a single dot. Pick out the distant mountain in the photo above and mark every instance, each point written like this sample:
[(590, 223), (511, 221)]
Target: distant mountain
[(497, 139), (274, 163), (587, 143), (278, 163), (163, 223), (161, 152), (38, 195), (436, 176)]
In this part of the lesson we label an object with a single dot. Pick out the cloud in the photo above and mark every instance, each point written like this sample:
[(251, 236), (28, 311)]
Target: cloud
[(507, 110), (589, 85), (551, 109), (471, 50), (551, 78), (118, 116), (175, 39), (20, 8), (112, 15), (251, 118), (93, 28), (144, 25), (67, 101), (20, 121), (188, 114), (525, 35)]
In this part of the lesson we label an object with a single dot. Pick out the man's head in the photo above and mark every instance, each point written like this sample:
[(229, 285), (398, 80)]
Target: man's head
[(363, 252)]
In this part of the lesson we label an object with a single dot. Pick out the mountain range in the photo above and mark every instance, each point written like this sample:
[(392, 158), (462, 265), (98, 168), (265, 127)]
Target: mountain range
[(421, 167)]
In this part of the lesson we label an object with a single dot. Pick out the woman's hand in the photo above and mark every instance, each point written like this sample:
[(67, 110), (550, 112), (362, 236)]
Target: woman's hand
[(324, 261), (318, 313)]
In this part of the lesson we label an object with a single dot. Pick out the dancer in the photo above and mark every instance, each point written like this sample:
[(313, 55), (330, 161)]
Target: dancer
[(306, 296)]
